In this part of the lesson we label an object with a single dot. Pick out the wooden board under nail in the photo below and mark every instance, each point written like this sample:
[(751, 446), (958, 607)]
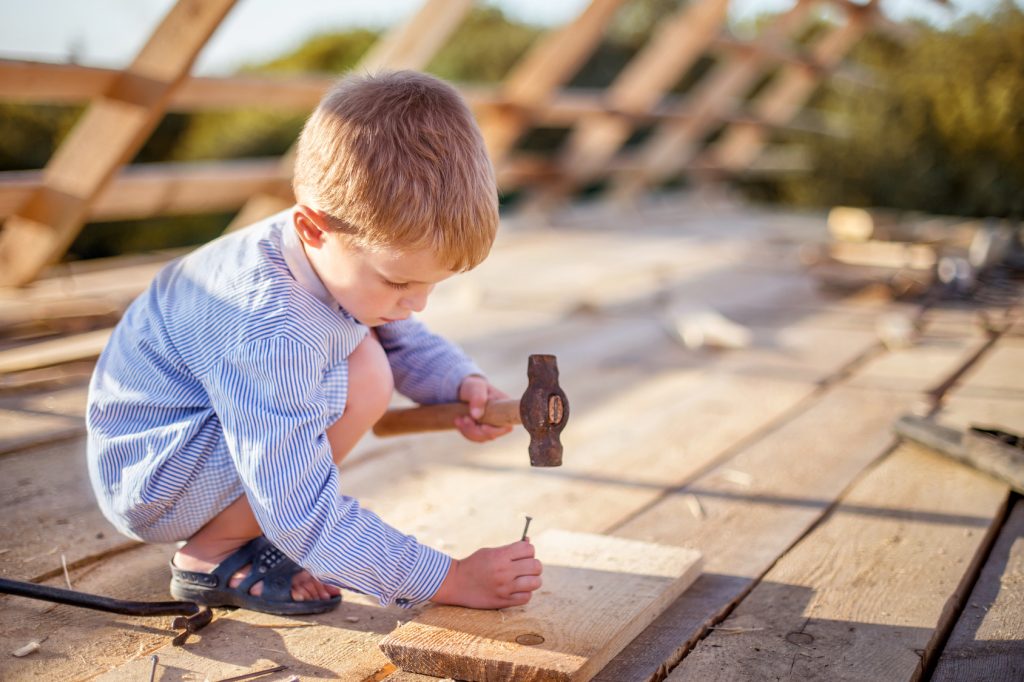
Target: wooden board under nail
[(599, 592)]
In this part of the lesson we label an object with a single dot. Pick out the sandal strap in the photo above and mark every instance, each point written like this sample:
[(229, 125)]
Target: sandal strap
[(269, 564), (273, 567)]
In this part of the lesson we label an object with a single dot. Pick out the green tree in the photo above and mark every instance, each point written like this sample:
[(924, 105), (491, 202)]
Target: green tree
[(944, 134)]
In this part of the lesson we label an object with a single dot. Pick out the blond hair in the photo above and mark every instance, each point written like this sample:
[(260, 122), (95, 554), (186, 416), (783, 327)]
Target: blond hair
[(396, 160)]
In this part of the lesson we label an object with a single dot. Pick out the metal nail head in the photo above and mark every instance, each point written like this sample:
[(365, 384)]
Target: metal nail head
[(526, 527)]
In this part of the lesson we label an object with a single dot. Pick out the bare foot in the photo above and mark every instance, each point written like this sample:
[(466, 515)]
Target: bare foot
[(304, 586)]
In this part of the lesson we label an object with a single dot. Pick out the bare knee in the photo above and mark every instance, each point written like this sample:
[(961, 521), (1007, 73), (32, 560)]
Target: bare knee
[(370, 385), (370, 381)]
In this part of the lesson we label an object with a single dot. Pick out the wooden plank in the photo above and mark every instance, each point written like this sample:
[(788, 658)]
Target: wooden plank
[(80, 643), (20, 429), (49, 510), (986, 642), (746, 513), (870, 592), (672, 146), (54, 351), (989, 377), (110, 131), (673, 49), (598, 593), (788, 93), (737, 553), (552, 61)]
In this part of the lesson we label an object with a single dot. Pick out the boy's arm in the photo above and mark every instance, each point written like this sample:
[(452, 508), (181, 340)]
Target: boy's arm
[(427, 368), (274, 410)]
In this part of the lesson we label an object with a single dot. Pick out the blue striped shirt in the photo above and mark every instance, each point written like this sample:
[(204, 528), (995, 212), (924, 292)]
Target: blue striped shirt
[(222, 378)]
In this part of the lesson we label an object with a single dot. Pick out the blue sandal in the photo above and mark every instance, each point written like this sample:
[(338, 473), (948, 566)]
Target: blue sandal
[(269, 565)]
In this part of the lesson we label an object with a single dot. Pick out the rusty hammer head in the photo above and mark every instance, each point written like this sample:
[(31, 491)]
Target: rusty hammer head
[(544, 411)]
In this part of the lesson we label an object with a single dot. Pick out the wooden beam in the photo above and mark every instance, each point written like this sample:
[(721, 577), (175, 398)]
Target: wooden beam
[(409, 45), (158, 189), (599, 593), (552, 61), (69, 84), (412, 44), (789, 92), (678, 43), (27, 81), (111, 130), (672, 146), (196, 187)]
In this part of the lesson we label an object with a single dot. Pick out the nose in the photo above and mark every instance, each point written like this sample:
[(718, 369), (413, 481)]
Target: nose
[(416, 302)]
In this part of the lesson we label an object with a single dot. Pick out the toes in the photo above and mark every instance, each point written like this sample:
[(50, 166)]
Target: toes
[(304, 586)]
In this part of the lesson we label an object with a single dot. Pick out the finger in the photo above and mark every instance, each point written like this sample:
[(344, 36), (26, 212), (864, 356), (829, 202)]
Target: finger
[(519, 598), (528, 567), (481, 433), (520, 550), (526, 583), (471, 430), (476, 396), (494, 393), (491, 432)]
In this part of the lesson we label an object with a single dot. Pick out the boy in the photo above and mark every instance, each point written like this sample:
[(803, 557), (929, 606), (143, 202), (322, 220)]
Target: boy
[(237, 382)]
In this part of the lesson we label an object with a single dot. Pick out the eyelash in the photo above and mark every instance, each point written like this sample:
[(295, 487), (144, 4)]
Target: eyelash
[(396, 285)]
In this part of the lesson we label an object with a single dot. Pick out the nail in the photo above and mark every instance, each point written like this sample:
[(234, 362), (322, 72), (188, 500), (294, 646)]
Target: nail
[(152, 671), (527, 527)]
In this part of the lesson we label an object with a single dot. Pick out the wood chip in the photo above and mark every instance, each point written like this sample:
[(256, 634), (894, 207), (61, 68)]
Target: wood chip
[(351, 619), (738, 477), (67, 578), (696, 508), (29, 648)]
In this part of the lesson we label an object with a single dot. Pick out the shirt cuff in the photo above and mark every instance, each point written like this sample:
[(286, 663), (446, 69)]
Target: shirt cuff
[(428, 572), (453, 379)]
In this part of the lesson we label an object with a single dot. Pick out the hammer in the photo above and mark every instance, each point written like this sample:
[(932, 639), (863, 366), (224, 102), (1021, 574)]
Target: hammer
[(543, 411)]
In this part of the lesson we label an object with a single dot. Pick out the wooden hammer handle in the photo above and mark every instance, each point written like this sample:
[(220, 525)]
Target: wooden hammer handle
[(442, 417)]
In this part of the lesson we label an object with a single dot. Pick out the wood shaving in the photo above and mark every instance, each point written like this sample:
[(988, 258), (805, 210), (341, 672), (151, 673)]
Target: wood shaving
[(738, 477), (29, 648), (696, 508), (67, 577)]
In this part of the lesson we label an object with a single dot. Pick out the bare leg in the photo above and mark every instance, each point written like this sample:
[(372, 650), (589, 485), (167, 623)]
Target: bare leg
[(370, 385)]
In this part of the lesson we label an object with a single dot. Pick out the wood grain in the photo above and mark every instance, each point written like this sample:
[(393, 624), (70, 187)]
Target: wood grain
[(867, 594), (598, 593), (988, 640)]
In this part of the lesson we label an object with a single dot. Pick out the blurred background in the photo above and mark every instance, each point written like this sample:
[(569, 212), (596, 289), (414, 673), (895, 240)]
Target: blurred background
[(925, 113)]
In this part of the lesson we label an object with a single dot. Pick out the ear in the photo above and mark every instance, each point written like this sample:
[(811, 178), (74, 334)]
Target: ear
[(309, 224)]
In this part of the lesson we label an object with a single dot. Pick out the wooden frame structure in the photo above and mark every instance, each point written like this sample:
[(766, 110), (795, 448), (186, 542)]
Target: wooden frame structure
[(88, 179)]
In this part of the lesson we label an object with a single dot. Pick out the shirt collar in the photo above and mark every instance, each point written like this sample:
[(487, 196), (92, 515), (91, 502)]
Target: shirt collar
[(297, 261)]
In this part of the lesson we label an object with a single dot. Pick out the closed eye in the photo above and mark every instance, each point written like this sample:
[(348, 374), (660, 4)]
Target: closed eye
[(396, 285)]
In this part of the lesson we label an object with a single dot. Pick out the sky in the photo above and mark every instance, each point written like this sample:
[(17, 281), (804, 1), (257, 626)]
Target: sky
[(110, 32)]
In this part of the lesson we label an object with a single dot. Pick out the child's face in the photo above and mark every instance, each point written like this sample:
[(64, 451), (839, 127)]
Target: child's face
[(376, 287)]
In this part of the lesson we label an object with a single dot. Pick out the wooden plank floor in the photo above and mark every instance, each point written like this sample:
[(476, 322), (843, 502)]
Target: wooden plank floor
[(767, 459)]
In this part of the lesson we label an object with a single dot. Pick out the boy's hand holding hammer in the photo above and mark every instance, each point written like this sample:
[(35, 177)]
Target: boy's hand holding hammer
[(477, 391)]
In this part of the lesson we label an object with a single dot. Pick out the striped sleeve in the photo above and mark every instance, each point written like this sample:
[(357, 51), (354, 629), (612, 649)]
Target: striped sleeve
[(427, 368), (270, 400)]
